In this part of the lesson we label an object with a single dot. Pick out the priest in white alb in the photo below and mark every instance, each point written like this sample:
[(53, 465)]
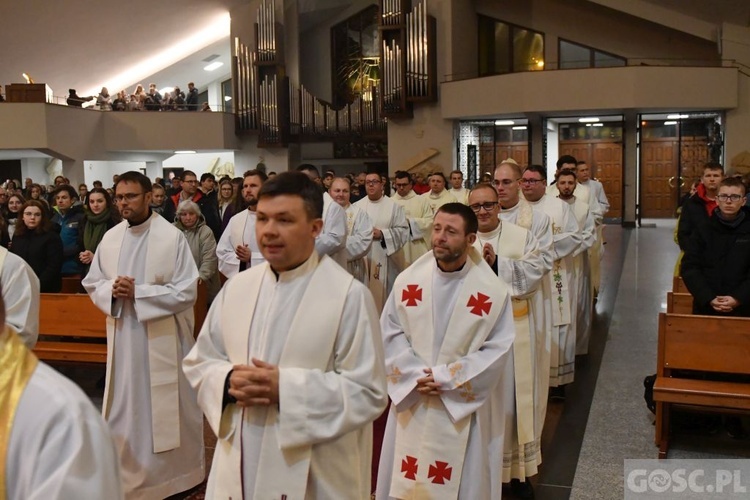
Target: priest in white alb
[(20, 288), (448, 331), (237, 249), (597, 198), (457, 187), (144, 278), (438, 195), (560, 284), (513, 254), (289, 365), (54, 444), (358, 230), (419, 216), (390, 233)]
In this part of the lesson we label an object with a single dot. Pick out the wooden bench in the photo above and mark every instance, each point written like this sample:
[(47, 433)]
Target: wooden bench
[(72, 284), (678, 285), (81, 327), (708, 344), (79, 324), (679, 303)]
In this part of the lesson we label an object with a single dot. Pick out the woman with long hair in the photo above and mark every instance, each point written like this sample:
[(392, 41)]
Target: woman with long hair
[(226, 202), (36, 242), (100, 216), (15, 202)]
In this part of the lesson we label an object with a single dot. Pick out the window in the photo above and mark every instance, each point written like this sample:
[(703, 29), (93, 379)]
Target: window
[(574, 55), (506, 48), (226, 95), (355, 47)]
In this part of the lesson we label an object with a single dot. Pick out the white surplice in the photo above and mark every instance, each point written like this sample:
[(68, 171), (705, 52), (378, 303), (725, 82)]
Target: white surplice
[(20, 288), (389, 217), (239, 231), (599, 197), (325, 412), (148, 472), (472, 386), (59, 445), (461, 195), (358, 242), (332, 238), (419, 216), (561, 288), (435, 201), (523, 275)]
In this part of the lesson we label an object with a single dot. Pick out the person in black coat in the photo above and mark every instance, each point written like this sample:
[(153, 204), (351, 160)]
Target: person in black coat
[(37, 242), (697, 210), (716, 265)]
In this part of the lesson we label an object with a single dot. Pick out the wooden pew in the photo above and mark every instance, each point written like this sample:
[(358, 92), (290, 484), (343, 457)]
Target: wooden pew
[(708, 344), (679, 303), (678, 285), (81, 326), (72, 284)]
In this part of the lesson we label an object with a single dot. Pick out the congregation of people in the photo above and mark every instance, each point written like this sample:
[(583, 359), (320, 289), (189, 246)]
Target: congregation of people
[(397, 337), (141, 99)]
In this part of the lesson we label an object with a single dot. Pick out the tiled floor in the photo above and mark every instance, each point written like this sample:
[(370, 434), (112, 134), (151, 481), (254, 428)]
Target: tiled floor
[(603, 419)]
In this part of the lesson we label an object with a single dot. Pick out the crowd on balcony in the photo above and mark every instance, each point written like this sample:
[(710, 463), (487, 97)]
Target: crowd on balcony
[(142, 100)]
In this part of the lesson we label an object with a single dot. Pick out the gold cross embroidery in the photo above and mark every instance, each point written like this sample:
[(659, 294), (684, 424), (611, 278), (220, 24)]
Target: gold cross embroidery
[(466, 392), (395, 376)]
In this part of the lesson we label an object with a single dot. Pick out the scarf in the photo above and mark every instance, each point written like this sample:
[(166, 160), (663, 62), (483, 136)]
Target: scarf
[(96, 226)]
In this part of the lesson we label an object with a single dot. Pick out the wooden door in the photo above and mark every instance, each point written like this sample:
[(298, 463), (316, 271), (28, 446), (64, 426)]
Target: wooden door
[(693, 155), (519, 151), (606, 167), (659, 172), (604, 158)]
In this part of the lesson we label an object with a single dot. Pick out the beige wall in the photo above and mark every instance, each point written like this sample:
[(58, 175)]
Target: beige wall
[(736, 46)]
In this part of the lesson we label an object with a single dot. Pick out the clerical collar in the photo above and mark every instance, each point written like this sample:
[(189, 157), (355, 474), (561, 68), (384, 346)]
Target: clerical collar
[(511, 209), (375, 201), (299, 270), (136, 224), (490, 234), (537, 201), (458, 273)]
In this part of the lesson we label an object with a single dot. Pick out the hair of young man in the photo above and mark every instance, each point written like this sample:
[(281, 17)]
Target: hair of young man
[(733, 182), (45, 225), (295, 184), (207, 175), (457, 172), (565, 159), (345, 179), (82, 185), (68, 189), (308, 167), (255, 173), (580, 162), (484, 185), (471, 225), (156, 186), (566, 172), (538, 169), (441, 174), (402, 174), (712, 165), (515, 167), (138, 178), (188, 172)]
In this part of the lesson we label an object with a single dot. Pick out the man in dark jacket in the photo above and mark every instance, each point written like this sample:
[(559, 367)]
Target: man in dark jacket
[(68, 215), (700, 207), (192, 97), (209, 206), (716, 265)]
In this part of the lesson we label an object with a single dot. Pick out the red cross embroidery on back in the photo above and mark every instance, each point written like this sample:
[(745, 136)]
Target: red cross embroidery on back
[(480, 305), (440, 472), (411, 294), (409, 465)]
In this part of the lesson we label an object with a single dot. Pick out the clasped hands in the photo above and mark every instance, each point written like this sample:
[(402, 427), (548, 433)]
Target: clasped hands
[(724, 303), (427, 385), (123, 287), (256, 385), (243, 253)]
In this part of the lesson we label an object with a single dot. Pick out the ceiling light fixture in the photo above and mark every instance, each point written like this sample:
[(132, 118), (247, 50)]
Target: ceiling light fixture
[(677, 117), (185, 152), (213, 66), (520, 127), (598, 124), (670, 123), (501, 123), (589, 120)]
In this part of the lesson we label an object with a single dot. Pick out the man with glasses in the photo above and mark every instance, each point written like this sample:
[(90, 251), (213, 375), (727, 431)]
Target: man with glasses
[(390, 233), (560, 284), (418, 216), (716, 265), (144, 278), (513, 254)]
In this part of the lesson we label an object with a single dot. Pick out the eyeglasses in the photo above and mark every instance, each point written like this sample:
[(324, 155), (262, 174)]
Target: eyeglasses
[(504, 182), (728, 197), (32, 214), (531, 182), (373, 183), (127, 197), (488, 206)]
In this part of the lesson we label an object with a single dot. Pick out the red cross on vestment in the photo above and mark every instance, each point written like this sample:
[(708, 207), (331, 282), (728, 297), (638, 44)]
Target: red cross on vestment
[(411, 294), (440, 472), (480, 304), (409, 466)]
